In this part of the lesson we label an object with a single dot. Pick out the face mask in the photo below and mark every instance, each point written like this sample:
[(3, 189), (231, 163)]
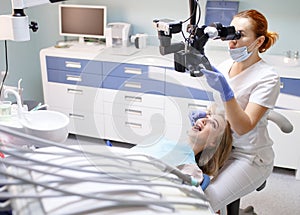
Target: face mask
[(240, 54)]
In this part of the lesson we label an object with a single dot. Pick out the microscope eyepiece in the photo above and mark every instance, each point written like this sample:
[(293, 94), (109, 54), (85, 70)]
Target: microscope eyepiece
[(226, 32)]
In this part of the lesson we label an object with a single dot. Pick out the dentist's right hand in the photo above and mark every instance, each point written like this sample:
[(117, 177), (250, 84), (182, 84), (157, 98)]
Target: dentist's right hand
[(217, 81)]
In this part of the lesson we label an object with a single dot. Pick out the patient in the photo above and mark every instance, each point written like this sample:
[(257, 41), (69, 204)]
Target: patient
[(207, 147)]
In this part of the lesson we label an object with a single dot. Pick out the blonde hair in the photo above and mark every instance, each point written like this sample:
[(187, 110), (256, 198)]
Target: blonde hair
[(260, 28), (213, 159)]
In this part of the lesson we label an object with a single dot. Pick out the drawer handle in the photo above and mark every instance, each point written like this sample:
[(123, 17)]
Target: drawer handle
[(133, 98), (76, 116), (281, 85), (135, 71), (133, 85), (134, 112), (74, 91), (74, 78), (133, 125), (76, 65), (196, 106)]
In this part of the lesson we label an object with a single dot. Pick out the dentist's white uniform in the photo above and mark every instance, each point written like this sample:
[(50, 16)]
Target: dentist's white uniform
[(252, 156)]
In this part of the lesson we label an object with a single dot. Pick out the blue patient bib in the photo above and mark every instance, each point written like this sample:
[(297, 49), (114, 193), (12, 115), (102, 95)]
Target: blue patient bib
[(169, 151)]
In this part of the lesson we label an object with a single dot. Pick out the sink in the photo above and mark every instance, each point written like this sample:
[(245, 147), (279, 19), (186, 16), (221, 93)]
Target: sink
[(281, 61)]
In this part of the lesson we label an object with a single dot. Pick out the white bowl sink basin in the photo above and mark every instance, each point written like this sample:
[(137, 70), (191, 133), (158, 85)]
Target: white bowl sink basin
[(46, 124), (281, 61)]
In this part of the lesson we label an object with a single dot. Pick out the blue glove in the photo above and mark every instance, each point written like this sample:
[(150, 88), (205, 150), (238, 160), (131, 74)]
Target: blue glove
[(217, 81), (195, 115)]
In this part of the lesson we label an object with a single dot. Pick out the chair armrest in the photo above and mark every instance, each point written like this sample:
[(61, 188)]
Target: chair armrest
[(281, 121)]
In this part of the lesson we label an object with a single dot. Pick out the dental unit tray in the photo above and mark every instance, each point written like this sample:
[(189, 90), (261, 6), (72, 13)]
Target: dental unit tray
[(90, 179)]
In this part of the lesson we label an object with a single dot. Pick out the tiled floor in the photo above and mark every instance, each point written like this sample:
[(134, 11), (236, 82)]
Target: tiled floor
[(281, 196)]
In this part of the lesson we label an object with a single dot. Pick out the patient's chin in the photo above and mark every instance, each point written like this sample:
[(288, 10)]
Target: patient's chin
[(194, 139)]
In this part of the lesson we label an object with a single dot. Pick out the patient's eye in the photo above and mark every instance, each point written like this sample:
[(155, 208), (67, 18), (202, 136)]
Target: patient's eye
[(214, 123)]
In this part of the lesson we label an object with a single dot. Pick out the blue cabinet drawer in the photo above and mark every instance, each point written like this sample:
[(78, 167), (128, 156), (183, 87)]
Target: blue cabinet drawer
[(135, 85), (290, 86), (187, 92), (74, 78), (74, 65), (127, 70)]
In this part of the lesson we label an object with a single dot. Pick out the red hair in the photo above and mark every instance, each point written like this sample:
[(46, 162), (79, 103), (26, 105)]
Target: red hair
[(260, 28)]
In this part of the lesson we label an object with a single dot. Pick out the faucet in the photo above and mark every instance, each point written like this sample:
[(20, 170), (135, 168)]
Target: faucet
[(18, 98), (288, 54), (296, 54)]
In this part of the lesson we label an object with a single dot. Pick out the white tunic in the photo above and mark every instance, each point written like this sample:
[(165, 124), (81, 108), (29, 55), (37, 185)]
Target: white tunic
[(258, 84)]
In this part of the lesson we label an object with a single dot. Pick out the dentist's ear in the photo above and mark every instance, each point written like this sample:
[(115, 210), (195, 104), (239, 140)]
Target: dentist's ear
[(261, 40)]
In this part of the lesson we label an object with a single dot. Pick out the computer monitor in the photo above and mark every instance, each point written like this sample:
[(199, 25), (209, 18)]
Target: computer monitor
[(83, 21)]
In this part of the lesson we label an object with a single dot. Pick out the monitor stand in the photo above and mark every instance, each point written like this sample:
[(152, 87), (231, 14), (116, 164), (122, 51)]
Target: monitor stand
[(82, 45), (81, 40)]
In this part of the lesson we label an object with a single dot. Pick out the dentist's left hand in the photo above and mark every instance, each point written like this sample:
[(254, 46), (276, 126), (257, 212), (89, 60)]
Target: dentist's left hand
[(195, 115)]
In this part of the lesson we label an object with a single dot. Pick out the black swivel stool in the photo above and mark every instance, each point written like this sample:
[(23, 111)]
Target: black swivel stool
[(234, 207)]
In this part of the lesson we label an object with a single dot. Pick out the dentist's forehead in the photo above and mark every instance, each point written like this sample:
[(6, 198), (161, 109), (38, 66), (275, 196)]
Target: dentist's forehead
[(242, 24)]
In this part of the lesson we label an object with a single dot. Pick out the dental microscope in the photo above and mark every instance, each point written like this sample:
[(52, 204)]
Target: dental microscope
[(189, 55)]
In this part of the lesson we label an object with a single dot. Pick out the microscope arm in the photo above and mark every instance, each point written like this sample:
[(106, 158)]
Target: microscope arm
[(22, 4)]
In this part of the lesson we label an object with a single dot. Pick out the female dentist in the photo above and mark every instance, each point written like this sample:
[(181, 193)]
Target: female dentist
[(249, 88)]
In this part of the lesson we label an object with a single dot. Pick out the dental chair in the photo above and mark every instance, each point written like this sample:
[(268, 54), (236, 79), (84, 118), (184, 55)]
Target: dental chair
[(286, 127)]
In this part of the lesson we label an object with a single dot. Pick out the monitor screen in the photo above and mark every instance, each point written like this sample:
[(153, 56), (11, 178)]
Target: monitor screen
[(82, 21)]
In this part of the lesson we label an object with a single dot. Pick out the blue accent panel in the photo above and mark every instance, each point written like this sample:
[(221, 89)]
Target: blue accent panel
[(85, 66), (187, 92), (290, 86), (220, 11), (205, 182), (89, 80), (118, 70), (134, 84)]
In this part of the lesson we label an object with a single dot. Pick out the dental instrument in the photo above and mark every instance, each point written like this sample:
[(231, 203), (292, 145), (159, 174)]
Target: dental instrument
[(83, 179), (39, 106)]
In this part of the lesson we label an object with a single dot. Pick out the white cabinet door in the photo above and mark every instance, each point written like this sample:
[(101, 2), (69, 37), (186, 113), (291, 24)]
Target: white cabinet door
[(133, 117), (133, 124), (74, 97), (134, 130), (133, 98), (83, 123)]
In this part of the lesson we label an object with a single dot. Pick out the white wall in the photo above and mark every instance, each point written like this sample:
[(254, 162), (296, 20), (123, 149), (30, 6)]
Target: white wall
[(283, 17)]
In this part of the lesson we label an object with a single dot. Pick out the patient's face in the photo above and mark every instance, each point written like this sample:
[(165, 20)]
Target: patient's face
[(206, 131)]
